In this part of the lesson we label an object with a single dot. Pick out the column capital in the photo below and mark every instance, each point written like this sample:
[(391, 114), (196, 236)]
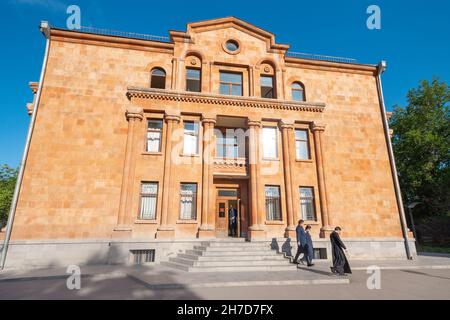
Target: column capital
[(287, 125), (172, 117), (319, 127), (134, 112), (254, 122), (208, 119)]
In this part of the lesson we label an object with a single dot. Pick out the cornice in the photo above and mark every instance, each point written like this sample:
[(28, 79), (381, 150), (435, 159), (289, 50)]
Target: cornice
[(338, 66), (113, 41), (250, 102)]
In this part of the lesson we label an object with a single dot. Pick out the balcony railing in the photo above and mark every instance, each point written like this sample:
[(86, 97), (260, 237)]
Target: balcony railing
[(231, 167)]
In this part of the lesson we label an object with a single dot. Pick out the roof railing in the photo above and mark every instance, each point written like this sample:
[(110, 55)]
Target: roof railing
[(141, 36), (312, 56)]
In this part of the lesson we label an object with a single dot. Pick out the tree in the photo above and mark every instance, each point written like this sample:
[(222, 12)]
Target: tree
[(8, 177), (422, 147)]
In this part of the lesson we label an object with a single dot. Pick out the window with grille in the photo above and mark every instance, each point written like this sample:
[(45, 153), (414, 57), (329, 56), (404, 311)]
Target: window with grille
[(193, 80), (267, 87), (191, 131), (143, 256), (231, 83), (302, 145), (270, 146), (188, 201), (154, 135), (149, 198), (307, 204), (273, 205)]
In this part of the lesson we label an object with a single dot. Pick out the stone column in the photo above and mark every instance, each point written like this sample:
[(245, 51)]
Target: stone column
[(255, 230), (165, 230), (287, 130), (206, 229), (134, 116), (318, 130)]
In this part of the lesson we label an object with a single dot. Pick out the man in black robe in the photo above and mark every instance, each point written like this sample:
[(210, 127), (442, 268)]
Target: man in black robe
[(340, 262)]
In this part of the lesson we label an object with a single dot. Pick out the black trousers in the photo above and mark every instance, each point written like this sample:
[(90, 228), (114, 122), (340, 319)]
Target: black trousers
[(306, 257)]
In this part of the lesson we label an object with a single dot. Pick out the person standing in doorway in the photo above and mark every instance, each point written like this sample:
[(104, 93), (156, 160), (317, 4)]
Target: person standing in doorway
[(301, 241), (309, 248), (232, 221), (338, 249)]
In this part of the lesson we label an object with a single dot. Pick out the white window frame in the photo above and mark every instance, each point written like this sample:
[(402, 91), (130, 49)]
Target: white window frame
[(154, 131), (146, 196), (266, 152), (193, 134), (297, 140)]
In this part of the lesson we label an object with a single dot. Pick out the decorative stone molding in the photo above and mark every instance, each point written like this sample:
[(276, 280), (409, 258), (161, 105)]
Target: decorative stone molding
[(249, 102), (209, 120), (254, 123), (287, 125), (318, 127), (172, 117), (238, 167), (134, 113)]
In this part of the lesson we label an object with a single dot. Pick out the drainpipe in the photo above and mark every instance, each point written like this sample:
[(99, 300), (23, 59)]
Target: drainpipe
[(381, 68), (45, 29)]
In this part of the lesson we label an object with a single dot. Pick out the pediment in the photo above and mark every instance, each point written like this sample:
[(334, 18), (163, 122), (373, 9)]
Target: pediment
[(197, 28)]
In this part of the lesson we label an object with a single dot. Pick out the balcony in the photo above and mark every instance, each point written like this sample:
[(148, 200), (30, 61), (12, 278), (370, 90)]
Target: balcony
[(231, 168)]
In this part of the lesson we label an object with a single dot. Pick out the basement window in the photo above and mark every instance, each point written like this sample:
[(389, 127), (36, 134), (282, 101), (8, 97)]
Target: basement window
[(143, 256), (320, 254)]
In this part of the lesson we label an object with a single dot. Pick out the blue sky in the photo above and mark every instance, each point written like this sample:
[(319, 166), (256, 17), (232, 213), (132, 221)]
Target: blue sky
[(414, 39)]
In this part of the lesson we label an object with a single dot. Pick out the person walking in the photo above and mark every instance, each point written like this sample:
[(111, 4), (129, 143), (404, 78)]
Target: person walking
[(309, 248), (338, 249), (301, 241)]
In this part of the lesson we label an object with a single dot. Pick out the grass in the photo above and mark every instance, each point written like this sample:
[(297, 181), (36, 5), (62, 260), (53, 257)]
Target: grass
[(433, 248)]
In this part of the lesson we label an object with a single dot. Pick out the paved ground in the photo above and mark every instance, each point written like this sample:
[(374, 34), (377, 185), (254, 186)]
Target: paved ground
[(426, 278)]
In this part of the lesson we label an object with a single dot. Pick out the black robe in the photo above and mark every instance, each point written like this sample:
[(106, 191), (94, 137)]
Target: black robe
[(340, 262)]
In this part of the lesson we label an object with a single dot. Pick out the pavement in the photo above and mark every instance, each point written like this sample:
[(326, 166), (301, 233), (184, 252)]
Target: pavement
[(423, 278)]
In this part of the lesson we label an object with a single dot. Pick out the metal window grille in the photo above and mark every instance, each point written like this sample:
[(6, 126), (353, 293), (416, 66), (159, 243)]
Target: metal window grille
[(143, 256), (273, 206), (307, 204), (188, 201), (149, 197)]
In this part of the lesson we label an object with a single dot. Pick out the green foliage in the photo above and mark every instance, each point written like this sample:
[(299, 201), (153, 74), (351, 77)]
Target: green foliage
[(8, 177), (422, 147)]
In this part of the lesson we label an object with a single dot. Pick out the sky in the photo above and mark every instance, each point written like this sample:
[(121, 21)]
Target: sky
[(414, 39)]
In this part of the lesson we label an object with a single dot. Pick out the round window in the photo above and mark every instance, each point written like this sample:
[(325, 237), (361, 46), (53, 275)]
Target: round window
[(232, 45)]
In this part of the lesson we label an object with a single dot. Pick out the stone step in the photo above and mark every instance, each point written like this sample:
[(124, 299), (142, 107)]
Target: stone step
[(233, 263), (235, 244), (234, 248), (205, 253), (271, 256), (243, 269)]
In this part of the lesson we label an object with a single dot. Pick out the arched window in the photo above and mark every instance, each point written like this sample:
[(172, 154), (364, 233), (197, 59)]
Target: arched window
[(158, 79), (298, 91)]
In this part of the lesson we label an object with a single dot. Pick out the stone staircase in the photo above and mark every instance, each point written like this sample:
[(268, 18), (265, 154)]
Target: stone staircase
[(230, 255)]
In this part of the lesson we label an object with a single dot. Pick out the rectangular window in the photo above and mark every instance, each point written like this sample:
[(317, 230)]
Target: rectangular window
[(270, 146), (193, 80), (302, 144), (188, 201), (191, 132), (149, 198), (227, 146), (273, 205), (267, 87), (231, 83), (307, 204), (154, 134), (143, 256)]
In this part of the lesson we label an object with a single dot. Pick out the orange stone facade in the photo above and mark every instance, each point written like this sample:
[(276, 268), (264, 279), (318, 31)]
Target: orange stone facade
[(88, 155)]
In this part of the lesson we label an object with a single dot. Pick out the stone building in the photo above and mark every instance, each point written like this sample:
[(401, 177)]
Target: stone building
[(147, 146)]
